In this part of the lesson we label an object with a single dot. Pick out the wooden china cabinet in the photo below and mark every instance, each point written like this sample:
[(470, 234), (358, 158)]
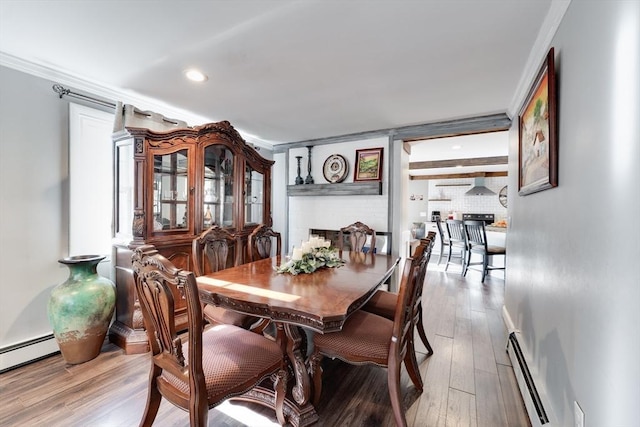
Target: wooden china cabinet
[(169, 187)]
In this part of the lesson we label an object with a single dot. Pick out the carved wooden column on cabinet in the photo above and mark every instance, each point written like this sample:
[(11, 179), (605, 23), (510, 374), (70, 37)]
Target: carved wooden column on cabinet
[(170, 186)]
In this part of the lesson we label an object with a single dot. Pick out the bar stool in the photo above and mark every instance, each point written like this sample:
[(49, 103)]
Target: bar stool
[(457, 241), (477, 244), (444, 239)]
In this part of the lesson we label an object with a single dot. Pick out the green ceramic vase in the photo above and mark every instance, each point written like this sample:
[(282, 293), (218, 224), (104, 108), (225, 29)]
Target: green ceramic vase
[(81, 308)]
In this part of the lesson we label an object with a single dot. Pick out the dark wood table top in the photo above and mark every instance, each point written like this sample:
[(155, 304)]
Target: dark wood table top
[(321, 300)]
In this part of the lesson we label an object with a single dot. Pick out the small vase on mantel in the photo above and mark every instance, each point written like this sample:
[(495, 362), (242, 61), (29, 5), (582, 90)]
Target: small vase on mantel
[(80, 309)]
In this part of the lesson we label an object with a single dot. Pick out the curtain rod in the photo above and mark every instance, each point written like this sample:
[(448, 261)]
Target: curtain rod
[(62, 91)]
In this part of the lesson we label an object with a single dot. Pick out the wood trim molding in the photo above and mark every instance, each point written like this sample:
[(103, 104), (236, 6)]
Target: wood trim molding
[(460, 175), (478, 161), (342, 189)]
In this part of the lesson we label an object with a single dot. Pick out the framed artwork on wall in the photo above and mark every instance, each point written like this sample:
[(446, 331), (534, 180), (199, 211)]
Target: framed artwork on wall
[(538, 138), (368, 165)]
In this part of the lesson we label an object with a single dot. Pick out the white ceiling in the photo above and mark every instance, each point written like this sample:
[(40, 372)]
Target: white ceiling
[(285, 71)]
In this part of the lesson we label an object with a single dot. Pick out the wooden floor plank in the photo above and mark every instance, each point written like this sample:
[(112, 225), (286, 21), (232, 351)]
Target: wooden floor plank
[(462, 357), (432, 410), (489, 403), (463, 306), (483, 357), (461, 409), (498, 334)]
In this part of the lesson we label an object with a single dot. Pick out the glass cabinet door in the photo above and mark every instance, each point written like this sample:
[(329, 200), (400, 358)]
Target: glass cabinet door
[(218, 187), (254, 198), (170, 191)]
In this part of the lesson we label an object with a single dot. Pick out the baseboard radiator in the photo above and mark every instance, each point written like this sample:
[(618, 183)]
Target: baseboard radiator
[(20, 354), (530, 395)]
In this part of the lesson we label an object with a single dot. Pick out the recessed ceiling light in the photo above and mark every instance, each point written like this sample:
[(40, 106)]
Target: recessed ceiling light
[(195, 75), (456, 147)]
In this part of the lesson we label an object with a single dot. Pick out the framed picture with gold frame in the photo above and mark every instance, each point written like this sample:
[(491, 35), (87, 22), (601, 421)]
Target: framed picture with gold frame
[(538, 139), (368, 165)]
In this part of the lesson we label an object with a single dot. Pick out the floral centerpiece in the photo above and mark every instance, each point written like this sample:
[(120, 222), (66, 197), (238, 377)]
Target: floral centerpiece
[(312, 255)]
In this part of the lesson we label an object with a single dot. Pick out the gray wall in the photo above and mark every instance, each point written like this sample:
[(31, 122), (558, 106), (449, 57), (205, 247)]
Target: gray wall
[(33, 202), (573, 285)]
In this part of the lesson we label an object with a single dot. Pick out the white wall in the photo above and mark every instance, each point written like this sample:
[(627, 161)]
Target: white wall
[(573, 285), (33, 203)]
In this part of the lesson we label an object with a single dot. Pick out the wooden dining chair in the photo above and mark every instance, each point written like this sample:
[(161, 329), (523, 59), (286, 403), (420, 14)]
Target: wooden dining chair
[(477, 244), (383, 303), (260, 246), (208, 366), (211, 252), (457, 241), (357, 233), (367, 338), (261, 243)]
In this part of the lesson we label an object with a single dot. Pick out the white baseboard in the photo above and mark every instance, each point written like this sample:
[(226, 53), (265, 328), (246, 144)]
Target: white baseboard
[(27, 351)]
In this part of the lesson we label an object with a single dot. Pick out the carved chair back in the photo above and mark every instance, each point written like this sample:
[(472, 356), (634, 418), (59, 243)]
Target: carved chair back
[(357, 234), (261, 242), (155, 276), (421, 257), (211, 251), (423, 253)]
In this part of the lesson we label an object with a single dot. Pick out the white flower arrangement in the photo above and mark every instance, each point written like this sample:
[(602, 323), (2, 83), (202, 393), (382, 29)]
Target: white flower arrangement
[(314, 254)]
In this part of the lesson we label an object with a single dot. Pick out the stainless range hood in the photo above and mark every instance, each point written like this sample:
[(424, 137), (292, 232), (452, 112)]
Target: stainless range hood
[(479, 189)]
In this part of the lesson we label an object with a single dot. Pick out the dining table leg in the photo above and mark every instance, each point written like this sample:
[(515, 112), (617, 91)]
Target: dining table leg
[(298, 409), (302, 389)]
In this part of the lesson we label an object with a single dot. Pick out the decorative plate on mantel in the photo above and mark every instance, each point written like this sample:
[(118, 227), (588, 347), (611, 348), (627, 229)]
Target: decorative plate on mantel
[(335, 168)]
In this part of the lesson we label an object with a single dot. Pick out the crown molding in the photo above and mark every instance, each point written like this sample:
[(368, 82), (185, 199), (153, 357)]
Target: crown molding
[(538, 52)]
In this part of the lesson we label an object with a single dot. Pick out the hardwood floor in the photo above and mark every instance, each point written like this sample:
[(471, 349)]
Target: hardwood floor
[(468, 381)]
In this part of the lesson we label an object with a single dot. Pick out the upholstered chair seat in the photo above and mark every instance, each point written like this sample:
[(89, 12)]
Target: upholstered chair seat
[(229, 362), (367, 336), (383, 303)]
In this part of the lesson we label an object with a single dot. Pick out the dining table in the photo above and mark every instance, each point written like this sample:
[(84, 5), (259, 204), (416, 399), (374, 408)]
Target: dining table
[(297, 304)]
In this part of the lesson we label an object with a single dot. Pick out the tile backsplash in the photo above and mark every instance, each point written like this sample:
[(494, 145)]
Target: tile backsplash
[(456, 201)]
